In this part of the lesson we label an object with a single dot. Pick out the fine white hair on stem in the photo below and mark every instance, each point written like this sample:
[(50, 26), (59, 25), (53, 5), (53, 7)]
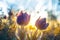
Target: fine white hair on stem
[(39, 38)]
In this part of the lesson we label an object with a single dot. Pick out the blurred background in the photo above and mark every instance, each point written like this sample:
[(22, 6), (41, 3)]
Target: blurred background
[(49, 9), (30, 5)]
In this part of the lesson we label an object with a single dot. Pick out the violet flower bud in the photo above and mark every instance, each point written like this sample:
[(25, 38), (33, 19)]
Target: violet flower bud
[(5, 17)]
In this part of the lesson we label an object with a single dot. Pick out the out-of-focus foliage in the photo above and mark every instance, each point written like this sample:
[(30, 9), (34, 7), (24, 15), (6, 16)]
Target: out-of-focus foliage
[(14, 31)]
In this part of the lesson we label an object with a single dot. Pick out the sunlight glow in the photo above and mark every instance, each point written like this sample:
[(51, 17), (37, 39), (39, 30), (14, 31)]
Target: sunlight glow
[(4, 8), (35, 16)]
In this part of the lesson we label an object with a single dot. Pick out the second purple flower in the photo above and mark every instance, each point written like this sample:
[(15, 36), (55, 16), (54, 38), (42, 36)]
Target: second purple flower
[(41, 23)]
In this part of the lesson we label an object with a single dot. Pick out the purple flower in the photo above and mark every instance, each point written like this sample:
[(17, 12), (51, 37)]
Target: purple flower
[(10, 13), (23, 18), (41, 23), (5, 17)]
